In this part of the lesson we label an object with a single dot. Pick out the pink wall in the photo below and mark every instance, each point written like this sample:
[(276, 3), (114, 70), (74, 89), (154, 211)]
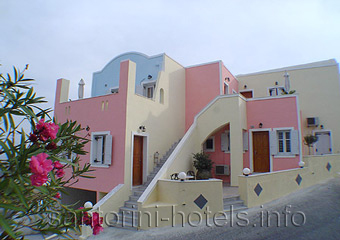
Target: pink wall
[(202, 86), (274, 113), (88, 112), (219, 157), (233, 83)]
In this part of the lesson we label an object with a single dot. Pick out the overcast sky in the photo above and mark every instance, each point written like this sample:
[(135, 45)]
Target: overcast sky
[(73, 39)]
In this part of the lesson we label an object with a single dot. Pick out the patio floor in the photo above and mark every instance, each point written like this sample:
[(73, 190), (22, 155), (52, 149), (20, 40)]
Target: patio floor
[(229, 191)]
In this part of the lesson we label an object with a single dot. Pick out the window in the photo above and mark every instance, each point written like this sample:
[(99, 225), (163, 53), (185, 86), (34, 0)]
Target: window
[(101, 148), (226, 89), (149, 92), (225, 141), (149, 88), (275, 91), (209, 145), (247, 94), (284, 141), (161, 96)]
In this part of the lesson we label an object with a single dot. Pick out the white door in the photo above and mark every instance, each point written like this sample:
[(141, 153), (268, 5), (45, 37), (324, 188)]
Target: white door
[(323, 145)]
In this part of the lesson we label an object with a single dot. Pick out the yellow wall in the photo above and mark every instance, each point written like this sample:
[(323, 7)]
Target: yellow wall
[(165, 123), (281, 183), (171, 197), (319, 95)]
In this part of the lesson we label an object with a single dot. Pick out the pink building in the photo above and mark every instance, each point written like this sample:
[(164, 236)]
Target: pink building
[(142, 106)]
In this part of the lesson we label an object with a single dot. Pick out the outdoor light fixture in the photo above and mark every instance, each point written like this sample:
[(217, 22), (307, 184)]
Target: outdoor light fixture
[(321, 126), (228, 79), (246, 171), (149, 76), (245, 86), (301, 164), (142, 128), (87, 128), (276, 83), (182, 176), (88, 204), (260, 125)]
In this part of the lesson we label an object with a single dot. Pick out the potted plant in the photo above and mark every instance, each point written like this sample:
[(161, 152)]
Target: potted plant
[(310, 140), (203, 164)]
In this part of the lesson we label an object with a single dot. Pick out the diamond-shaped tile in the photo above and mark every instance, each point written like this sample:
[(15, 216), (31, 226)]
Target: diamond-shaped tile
[(258, 189), (329, 166), (298, 179), (201, 201)]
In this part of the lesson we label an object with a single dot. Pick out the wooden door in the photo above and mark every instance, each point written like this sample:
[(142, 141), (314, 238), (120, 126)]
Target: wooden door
[(137, 161), (261, 155), (247, 94)]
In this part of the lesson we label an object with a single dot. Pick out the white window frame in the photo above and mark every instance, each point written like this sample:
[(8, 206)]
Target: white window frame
[(330, 139), (278, 93), (227, 132), (205, 144), (225, 86), (284, 141), (106, 160), (147, 86), (285, 154)]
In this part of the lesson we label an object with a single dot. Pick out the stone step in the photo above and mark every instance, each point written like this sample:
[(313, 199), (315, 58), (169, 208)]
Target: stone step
[(128, 210), (133, 198), (131, 204), (234, 204), (236, 209), (137, 192), (231, 199)]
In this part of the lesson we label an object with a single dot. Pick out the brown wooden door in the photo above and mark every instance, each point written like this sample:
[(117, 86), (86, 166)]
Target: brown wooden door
[(261, 154), (248, 94), (137, 161)]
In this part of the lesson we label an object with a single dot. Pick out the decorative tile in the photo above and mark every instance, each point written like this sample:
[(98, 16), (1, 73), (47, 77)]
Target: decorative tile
[(201, 201), (258, 189), (329, 166), (298, 179)]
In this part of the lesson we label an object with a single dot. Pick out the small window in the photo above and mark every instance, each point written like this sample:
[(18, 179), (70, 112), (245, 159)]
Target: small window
[(209, 145), (161, 96), (275, 91), (225, 142), (226, 89), (247, 94), (101, 148), (284, 141)]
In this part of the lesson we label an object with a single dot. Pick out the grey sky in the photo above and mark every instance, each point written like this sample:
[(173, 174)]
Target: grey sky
[(73, 39)]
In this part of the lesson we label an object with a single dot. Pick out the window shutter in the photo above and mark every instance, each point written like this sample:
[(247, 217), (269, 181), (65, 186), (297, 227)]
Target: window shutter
[(224, 142), (273, 142), (245, 141), (295, 145), (108, 150), (99, 151)]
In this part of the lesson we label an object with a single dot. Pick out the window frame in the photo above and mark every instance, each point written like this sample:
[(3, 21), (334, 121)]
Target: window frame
[(277, 92), (294, 150), (94, 148), (205, 144)]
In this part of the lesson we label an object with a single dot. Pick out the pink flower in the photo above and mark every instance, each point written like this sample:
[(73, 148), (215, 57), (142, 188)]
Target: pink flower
[(46, 130), (40, 164), (60, 173), (97, 229), (57, 165), (38, 179), (57, 195)]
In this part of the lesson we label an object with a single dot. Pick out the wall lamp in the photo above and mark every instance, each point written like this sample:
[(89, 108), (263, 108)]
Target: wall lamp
[(142, 128), (245, 86), (260, 125)]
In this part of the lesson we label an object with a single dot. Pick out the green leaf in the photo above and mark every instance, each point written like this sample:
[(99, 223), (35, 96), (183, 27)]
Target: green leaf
[(19, 193), (5, 226), (12, 207)]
